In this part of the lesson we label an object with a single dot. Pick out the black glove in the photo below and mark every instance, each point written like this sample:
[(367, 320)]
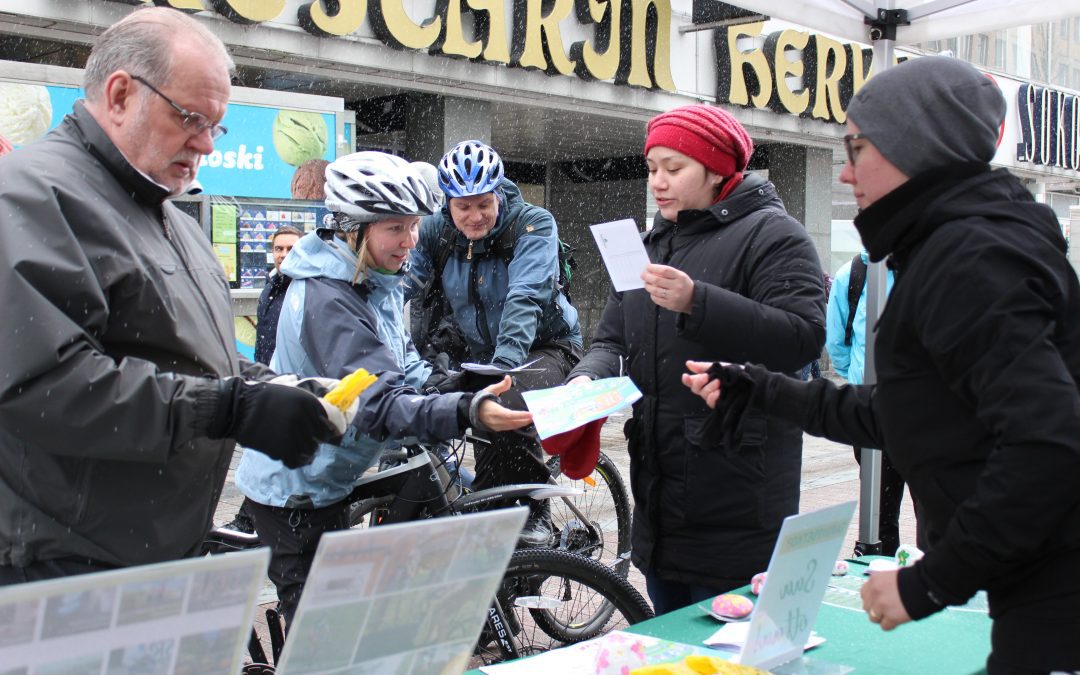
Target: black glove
[(736, 392), (443, 380), (283, 422)]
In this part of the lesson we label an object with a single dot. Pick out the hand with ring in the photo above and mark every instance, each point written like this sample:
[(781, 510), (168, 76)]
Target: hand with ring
[(669, 288), (881, 600)]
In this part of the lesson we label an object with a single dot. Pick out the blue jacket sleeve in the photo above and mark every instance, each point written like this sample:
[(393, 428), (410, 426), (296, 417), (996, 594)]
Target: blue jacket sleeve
[(533, 274), (836, 316), (339, 335)]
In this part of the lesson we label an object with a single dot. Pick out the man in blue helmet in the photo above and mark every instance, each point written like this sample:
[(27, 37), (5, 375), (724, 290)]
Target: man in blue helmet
[(497, 260)]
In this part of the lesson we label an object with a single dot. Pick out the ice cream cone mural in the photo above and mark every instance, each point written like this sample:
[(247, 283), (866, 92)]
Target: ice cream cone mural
[(299, 136), (25, 112)]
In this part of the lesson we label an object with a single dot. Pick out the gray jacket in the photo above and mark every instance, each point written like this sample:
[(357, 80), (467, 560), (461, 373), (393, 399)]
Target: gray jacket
[(118, 326)]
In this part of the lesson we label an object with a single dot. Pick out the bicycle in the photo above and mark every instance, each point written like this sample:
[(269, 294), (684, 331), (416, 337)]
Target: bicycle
[(548, 597), (594, 522)]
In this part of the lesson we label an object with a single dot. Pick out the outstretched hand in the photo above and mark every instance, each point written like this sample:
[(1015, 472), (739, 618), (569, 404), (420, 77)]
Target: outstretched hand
[(496, 417), (701, 383)]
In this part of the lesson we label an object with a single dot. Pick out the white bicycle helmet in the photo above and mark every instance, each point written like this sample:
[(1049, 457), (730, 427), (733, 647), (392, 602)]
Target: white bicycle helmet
[(365, 187), (470, 168)]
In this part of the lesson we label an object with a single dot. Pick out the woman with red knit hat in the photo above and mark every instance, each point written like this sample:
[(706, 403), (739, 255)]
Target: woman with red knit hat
[(733, 278)]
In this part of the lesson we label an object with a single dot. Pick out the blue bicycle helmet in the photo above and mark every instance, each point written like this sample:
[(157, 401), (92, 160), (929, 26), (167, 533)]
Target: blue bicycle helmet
[(470, 168)]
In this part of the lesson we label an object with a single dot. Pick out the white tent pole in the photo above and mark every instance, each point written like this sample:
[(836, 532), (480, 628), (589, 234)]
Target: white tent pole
[(869, 539)]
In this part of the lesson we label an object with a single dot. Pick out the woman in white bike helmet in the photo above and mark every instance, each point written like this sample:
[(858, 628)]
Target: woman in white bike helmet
[(343, 311)]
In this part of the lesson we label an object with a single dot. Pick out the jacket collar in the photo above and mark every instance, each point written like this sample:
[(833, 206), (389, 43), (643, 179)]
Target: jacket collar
[(141, 187), (901, 219), (752, 193)]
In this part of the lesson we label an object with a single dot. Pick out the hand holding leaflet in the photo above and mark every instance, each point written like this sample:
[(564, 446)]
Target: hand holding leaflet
[(623, 253), (560, 409)]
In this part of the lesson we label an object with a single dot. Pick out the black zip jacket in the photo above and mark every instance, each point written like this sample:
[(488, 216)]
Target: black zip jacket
[(978, 357), (705, 512)]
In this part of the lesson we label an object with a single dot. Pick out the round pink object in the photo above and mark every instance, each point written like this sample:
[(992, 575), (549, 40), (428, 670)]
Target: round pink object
[(732, 605), (757, 582)]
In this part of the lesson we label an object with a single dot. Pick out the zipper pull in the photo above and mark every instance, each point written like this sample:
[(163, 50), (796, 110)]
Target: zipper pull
[(468, 253)]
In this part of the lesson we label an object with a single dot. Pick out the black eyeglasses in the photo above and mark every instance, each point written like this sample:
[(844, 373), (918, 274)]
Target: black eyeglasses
[(852, 152), (192, 121)]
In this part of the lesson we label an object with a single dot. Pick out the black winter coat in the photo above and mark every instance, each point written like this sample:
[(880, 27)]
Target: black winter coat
[(267, 313), (704, 513), (976, 404)]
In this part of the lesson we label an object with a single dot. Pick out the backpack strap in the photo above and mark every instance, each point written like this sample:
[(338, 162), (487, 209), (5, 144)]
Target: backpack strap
[(856, 283), (442, 254)]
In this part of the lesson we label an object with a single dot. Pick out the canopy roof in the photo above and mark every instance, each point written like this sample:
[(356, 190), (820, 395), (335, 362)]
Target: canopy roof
[(929, 19)]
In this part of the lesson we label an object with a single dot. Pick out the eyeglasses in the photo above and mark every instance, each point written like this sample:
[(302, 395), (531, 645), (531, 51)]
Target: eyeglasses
[(193, 121), (853, 152)]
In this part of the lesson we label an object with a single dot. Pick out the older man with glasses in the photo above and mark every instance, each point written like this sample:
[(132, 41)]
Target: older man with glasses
[(121, 392)]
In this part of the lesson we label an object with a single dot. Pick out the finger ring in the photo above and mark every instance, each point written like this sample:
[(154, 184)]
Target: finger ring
[(874, 616)]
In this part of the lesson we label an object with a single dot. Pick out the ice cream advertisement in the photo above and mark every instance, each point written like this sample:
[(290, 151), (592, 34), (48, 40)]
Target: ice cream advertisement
[(257, 158)]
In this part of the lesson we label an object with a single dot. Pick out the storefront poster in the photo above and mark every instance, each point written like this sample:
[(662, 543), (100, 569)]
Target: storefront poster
[(256, 158)]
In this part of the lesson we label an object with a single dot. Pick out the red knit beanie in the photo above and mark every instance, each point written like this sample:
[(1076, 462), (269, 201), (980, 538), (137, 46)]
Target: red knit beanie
[(705, 133)]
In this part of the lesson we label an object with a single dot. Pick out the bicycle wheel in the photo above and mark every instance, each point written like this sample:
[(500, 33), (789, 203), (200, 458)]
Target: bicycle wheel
[(549, 599), (604, 532)]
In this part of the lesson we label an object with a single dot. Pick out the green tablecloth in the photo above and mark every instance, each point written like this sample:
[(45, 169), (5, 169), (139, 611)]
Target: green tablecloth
[(951, 642)]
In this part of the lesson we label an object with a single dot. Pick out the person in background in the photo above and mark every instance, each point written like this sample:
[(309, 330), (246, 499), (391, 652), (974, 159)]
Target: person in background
[(733, 277), (977, 358), (283, 240), (122, 393), (499, 274), (845, 340), (345, 310)]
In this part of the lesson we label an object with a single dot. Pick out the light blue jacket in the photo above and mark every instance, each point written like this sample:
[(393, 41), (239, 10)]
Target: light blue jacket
[(503, 310), (329, 328), (848, 360)]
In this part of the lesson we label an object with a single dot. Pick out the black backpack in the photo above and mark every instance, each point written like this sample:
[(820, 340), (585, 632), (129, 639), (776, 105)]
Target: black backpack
[(856, 283)]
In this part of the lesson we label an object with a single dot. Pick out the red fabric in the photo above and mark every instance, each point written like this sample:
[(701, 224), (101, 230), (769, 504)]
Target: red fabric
[(705, 133), (579, 448)]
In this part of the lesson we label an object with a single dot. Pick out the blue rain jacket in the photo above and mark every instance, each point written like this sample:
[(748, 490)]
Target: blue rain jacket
[(503, 310), (848, 360), (329, 327)]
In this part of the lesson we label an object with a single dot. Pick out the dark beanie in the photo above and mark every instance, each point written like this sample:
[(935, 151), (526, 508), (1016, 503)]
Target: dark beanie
[(930, 112), (705, 133)]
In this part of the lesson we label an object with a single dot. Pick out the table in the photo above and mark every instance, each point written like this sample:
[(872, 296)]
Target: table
[(951, 642)]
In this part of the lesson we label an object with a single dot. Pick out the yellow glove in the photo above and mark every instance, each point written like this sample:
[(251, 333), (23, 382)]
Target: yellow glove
[(349, 389)]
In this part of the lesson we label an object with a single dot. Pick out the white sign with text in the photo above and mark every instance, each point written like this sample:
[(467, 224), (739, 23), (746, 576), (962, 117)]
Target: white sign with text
[(798, 575)]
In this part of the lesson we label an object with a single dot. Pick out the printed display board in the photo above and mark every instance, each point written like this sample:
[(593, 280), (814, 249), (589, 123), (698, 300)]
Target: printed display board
[(258, 157), (190, 617)]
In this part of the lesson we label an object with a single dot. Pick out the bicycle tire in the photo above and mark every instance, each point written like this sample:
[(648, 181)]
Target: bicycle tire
[(606, 505), (545, 592)]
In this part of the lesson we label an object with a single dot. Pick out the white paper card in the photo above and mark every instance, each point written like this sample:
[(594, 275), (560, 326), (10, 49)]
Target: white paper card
[(560, 409), (401, 598), (623, 253), (489, 369), (732, 636), (190, 616), (799, 572)]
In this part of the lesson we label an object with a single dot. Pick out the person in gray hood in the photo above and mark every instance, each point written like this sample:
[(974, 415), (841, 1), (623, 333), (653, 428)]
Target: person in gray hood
[(121, 392)]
